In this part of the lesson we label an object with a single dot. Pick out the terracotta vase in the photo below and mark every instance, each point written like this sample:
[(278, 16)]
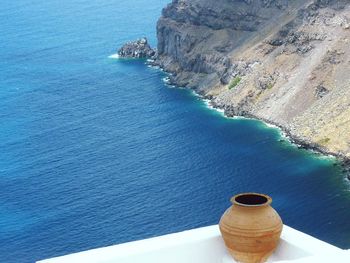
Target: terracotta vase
[(251, 228)]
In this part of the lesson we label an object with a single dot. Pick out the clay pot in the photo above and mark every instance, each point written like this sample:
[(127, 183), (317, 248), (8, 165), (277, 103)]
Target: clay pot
[(251, 228)]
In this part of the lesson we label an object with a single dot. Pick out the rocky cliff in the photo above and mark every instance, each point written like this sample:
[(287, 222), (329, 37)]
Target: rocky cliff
[(286, 62)]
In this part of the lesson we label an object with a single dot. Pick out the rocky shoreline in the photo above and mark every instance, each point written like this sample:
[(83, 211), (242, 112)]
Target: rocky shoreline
[(228, 112), (284, 62), (344, 161), (300, 143)]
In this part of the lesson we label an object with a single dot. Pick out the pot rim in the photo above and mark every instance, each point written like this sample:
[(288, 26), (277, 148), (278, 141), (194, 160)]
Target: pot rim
[(266, 203)]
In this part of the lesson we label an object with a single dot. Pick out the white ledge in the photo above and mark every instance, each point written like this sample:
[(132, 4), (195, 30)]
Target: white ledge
[(205, 245)]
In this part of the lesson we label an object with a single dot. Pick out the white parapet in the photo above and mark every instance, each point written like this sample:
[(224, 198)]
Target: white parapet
[(205, 245)]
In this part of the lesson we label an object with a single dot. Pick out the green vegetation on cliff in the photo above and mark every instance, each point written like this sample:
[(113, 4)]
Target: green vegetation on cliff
[(234, 82)]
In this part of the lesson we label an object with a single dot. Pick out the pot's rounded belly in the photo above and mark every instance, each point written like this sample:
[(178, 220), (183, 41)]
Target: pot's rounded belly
[(251, 234)]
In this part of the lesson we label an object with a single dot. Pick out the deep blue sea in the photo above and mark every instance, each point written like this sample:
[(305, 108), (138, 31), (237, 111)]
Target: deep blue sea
[(97, 151)]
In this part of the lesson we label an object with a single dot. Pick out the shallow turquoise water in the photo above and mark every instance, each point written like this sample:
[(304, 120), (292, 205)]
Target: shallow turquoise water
[(96, 151)]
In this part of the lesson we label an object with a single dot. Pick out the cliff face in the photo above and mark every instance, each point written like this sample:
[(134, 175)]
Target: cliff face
[(195, 37), (286, 62)]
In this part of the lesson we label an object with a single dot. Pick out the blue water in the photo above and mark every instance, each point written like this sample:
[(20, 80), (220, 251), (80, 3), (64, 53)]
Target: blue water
[(96, 151)]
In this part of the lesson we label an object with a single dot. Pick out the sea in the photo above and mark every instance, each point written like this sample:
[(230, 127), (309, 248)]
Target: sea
[(97, 151)]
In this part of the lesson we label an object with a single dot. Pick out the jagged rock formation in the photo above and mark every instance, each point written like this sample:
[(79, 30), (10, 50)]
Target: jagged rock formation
[(286, 62), (137, 49)]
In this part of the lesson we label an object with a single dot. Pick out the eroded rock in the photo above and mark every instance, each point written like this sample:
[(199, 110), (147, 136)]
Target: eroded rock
[(137, 49), (321, 91)]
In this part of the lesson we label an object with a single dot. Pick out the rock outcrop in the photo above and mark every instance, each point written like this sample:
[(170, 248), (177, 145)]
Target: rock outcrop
[(137, 49), (286, 62)]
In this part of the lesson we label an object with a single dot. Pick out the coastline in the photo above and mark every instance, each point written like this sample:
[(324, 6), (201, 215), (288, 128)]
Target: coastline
[(292, 74), (285, 132), (294, 139), (301, 143)]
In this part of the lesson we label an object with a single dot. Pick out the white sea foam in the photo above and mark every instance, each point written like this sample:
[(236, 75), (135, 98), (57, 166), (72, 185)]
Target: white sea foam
[(211, 107), (166, 80), (154, 67), (115, 56), (282, 133)]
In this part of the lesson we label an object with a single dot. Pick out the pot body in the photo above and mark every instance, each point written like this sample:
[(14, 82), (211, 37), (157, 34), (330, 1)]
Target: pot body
[(251, 233)]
